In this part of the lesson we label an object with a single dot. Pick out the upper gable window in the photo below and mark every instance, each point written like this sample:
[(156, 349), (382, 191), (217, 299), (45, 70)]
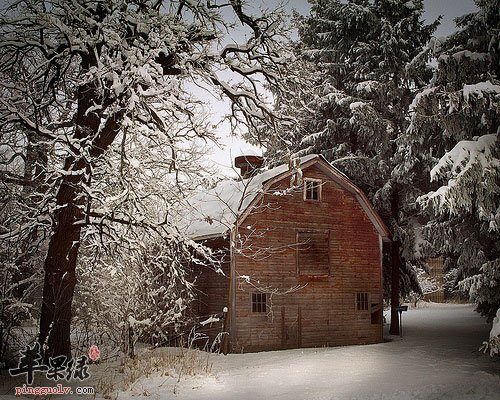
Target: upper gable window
[(312, 189)]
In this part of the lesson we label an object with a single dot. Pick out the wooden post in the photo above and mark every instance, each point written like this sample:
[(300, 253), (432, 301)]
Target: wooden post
[(225, 338), (283, 328), (299, 328), (232, 289)]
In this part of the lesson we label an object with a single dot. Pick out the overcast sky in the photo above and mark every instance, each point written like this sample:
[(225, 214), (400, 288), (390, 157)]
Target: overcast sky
[(449, 9)]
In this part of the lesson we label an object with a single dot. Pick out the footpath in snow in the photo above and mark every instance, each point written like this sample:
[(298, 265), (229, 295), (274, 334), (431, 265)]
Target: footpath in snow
[(437, 358)]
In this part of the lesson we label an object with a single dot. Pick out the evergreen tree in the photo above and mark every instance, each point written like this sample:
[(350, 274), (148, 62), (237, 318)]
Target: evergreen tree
[(355, 104), (453, 139)]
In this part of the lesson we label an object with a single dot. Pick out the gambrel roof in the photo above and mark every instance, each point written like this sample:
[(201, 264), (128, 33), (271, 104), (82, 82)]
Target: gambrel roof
[(214, 212)]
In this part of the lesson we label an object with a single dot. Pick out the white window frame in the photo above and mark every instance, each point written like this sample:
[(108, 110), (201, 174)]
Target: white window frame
[(319, 186)]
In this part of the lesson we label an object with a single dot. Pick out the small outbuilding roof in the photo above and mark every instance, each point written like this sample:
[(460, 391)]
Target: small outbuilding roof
[(214, 212)]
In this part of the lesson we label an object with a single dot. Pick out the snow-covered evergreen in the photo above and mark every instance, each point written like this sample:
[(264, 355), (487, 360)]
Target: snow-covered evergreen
[(357, 85), (453, 140), (492, 346)]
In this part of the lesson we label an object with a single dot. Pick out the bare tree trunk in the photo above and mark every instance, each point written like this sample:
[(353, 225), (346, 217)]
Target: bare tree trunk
[(395, 266), (394, 330), (60, 279), (69, 218)]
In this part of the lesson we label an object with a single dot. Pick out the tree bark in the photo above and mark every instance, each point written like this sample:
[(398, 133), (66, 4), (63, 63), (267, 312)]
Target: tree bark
[(60, 264), (394, 330), (60, 275), (395, 265), (69, 217)]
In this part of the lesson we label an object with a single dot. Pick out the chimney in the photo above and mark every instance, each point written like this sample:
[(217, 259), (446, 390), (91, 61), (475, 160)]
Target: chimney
[(248, 165)]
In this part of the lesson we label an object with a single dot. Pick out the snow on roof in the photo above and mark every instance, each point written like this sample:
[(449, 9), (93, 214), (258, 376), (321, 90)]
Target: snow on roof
[(214, 211)]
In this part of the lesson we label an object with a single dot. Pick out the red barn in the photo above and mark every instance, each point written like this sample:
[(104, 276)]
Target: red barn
[(303, 257)]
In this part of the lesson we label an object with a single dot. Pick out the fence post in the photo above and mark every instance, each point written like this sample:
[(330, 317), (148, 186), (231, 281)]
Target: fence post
[(225, 337)]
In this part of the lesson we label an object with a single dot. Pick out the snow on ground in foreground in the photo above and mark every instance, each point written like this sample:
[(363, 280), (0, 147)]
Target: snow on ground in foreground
[(438, 358)]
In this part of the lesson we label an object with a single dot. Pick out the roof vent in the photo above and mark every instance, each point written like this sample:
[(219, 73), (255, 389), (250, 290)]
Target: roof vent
[(248, 165)]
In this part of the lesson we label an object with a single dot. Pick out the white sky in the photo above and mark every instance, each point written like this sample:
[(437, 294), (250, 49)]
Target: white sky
[(234, 146)]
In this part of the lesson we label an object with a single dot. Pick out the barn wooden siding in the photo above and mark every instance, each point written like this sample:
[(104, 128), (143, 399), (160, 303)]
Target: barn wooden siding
[(324, 312), (212, 290)]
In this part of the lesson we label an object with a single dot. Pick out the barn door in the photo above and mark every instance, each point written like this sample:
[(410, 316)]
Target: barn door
[(290, 327)]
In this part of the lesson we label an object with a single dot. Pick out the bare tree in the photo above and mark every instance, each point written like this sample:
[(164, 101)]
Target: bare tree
[(223, 210), (81, 78)]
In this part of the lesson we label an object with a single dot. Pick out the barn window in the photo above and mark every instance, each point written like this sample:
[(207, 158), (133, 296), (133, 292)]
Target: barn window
[(312, 189), (362, 301), (313, 248), (259, 302)]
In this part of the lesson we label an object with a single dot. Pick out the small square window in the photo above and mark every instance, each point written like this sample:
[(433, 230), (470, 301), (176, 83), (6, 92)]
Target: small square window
[(259, 302), (312, 189), (362, 301)]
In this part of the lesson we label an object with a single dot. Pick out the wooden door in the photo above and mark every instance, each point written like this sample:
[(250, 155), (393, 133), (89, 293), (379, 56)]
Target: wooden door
[(290, 327)]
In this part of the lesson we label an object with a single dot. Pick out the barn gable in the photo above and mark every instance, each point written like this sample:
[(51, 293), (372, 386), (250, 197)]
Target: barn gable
[(215, 212)]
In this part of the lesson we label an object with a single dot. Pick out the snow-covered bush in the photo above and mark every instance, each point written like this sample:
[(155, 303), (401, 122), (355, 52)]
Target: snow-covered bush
[(143, 296), (427, 284), (493, 344), (16, 306), (20, 268), (450, 282)]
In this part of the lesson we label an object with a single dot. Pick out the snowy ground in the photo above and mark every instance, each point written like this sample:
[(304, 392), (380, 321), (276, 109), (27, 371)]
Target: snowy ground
[(438, 358)]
